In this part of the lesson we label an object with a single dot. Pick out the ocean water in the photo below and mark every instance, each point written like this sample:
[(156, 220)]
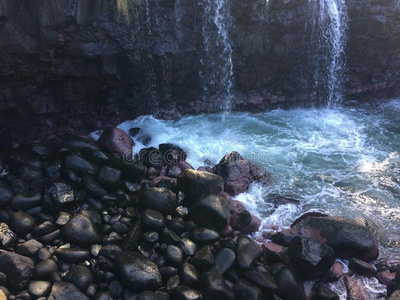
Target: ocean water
[(343, 161)]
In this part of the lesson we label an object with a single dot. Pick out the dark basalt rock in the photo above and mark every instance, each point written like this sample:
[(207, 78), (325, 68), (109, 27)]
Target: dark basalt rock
[(151, 158), (152, 220), (172, 154), (214, 286), (188, 275), (198, 184), (93, 187), (25, 201), (59, 194), (203, 236), (204, 258), (321, 292), (21, 223), (80, 230), (289, 284), (131, 171), (245, 290), (66, 291), (111, 251), (29, 248), (247, 252), (159, 199), (6, 195), (174, 255), (137, 272), (361, 267), (215, 208), (71, 255), (7, 236), (109, 177), (224, 260), (80, 165), (132, 238), (39, 288), (80, 142), (186, 293), (44, 268), (172, 284), (315, 259), (44, 228), (80, 276), (18, 268), (239, 173), (117, 142), (345, 237), (261, 278), (188, 247)]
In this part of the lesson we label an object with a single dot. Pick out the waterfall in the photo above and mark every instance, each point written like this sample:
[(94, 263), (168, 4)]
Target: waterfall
[(216, 60), (332, 22)]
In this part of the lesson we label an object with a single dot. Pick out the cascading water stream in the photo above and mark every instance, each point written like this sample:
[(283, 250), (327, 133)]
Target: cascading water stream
[(217, 65), (332, 22)]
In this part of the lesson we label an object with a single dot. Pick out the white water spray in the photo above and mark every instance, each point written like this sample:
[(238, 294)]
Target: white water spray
[(217, 71)]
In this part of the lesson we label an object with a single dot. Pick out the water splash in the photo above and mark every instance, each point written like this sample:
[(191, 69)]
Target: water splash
[(332, 26), (217, 64)]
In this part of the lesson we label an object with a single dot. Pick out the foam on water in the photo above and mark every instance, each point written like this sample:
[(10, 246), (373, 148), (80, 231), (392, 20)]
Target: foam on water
[(340, 161)]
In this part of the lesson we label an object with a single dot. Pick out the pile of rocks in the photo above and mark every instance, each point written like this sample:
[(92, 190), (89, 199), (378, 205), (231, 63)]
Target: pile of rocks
[(81, 219)]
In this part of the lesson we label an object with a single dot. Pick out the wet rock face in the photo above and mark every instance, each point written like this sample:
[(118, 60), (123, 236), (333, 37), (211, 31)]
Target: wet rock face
[(85, 70), (239, 173), (345, 237)]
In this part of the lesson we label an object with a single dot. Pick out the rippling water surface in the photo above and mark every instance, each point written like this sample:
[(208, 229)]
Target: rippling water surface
[(342, 161)]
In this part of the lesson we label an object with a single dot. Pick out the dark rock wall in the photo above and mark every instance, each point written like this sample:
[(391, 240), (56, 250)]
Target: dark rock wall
[(78, 63)]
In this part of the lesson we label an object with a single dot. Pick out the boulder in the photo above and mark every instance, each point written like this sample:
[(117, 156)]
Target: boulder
[(204, 236), (80, 276), (172, 154), (289, 284), (6, 195), (253, 226), (361, 267), (247, 251), (224, 260), (188, 275), (22, 223), (151, 157), (215, 208), (80, 165), (25, 201), (65, 291), (347, 238), (71, 255), (215, 287), (204, 258), (117, 142), (159, 199), (29, 248), (384, 277), (274, 253), (245, 290), (18, 268), (185, 293), (80, 230), (109, 177), (197, 184), (314, 258), (137, 272), (239, 173), (39, 288), (240, 217)]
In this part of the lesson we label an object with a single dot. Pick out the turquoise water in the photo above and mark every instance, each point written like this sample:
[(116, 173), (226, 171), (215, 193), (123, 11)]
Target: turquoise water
[(342, 161)]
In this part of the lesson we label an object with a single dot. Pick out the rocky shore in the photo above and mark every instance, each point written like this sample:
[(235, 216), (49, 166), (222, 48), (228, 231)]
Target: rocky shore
[(81, 219)]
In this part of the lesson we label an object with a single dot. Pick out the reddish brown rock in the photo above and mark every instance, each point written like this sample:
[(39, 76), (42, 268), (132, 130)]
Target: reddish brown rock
[(385, 277), (117, 142), (240, 217), (361, 267), (355, 290), (239, 173), (274, 253), (346, 237), (253, 226), (335, 272)]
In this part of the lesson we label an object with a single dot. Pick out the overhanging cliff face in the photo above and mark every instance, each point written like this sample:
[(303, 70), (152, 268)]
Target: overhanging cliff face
[(76, 61)]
